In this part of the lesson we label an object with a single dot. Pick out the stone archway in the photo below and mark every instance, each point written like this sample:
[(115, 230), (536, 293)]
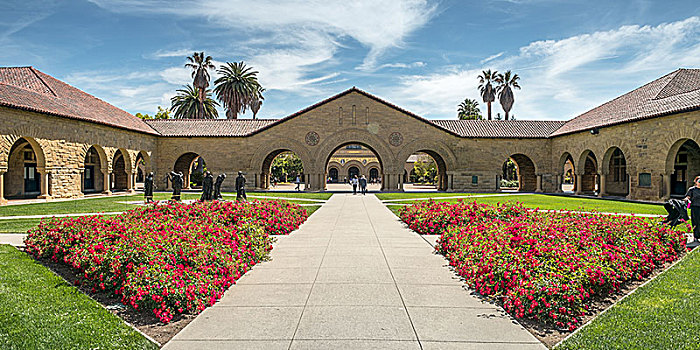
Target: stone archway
[(121, 171), (26, 175), (387, 163), (267, 172), (682, 166), (566, 173), (526, 173), (587, 175), (348, 168), (185, 164), (95, 174), (614, 178), (443, 157)]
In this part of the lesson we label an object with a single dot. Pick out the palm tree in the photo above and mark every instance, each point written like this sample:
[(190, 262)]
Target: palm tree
[(257, 101), (236, 87), (488, 93), (506, 83), (186, 104), (200, 66), (469, 109)]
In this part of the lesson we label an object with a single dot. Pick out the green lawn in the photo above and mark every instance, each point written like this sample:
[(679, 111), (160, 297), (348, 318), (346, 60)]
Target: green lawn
[(17, 226), (664, 314), (409, 195), (39, 310), (568, 203)]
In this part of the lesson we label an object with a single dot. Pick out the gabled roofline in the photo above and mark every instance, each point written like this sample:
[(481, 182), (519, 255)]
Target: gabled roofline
[(341, 94)]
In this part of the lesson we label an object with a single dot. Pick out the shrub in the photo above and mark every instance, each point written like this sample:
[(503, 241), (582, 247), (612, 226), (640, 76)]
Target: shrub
[(167, 259), (542, 265)]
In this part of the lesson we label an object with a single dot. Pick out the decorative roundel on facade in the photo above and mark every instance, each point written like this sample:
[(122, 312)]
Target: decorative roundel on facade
[(312, 138), (395, 139)]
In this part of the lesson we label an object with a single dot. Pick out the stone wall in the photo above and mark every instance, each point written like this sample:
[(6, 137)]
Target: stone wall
[(60, 145)]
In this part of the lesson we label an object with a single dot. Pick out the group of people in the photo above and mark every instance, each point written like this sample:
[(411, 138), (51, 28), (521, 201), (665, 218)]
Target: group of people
[(361, 182), (211, 190), (678, 211)]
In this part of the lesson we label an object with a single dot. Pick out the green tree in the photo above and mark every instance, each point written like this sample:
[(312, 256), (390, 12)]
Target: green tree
[(163, 113), (285, 166), (469, 109), (257, 101), (186, 104), (425, 170), (488, 93), (236, 87), (200, 66), (506, 83), (143, 116)]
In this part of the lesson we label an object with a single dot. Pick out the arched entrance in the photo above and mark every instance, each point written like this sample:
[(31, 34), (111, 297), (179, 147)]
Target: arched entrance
[(589, 174), (518, 173), (25, 167), (425, 170), (568, 173), (333, 175), (120, 171), (685, 156), (615, 180), (192, 166), (283, 167), (373, 175), (353, 172), (93, 170), (353, 160)]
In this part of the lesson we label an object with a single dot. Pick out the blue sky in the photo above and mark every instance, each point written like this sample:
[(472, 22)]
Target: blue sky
[(422, 55)]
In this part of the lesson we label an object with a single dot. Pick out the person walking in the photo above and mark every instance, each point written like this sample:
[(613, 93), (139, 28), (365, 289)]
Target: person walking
[(354, 182), (298, 182), (363, 185), (693, 195)]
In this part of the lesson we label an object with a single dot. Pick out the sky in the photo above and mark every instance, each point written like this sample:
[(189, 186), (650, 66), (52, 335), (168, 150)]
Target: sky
[(422, 55)]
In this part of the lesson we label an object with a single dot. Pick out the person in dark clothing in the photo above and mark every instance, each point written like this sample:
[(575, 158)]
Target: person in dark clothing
[(240, 187), (363, 185), (693, 195)]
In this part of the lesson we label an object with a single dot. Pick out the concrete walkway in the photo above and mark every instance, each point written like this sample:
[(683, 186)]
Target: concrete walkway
[(352, 277)]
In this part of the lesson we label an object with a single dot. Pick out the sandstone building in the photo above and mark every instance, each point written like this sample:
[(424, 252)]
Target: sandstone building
[(57, 141)]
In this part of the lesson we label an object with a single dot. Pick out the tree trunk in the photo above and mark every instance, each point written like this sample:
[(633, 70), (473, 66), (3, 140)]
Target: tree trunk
[(231, 115), (506, 115), (489, 104)]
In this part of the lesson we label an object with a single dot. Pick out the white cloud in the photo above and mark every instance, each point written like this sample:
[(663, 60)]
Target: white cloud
[(416, 64), (492, 57), (575, 73), (171, 53), (365, 21)]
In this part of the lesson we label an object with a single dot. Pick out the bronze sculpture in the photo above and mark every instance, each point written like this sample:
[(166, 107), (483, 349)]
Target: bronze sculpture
[(207, 186), (148, 187), (176, 179), (217, 186), (240, 187)]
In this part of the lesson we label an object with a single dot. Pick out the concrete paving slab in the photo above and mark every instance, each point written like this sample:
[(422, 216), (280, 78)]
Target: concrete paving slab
[(425, 275), (266, 295), (297, 261), (279, 276), (355, 322), (467, 325), (13, 239), (354, 294), (374, 274), (354, 261), (204, 344), (242, 323), (452, 295), (355, 344)]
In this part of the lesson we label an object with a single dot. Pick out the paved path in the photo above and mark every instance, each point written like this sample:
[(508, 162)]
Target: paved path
[(352, 277)]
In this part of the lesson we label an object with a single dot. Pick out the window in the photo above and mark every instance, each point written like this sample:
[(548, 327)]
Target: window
[(475, 180), (644, 180), (618, 166), (353, 147)]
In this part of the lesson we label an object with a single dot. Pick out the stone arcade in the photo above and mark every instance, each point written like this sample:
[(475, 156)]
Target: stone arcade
[(59, 142)]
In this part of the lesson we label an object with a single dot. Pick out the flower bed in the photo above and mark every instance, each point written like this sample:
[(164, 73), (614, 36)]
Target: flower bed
[(167, 259), (542, 265)]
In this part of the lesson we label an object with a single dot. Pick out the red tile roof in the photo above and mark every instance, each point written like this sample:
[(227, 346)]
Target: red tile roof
[(28, 89), (500, 128), (209, 127), (676, 92)]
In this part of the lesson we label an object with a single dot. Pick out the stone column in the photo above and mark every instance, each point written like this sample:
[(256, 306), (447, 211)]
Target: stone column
[(558, 182), (106, 182), (450, 182), (579, 179), (667, 187), (44, 183), (3, 201), (539, 183), (601, 186), (130, 182), (400, 185)]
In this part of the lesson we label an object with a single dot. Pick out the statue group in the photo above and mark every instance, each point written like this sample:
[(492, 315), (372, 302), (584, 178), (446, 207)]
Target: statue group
[(211, 190)]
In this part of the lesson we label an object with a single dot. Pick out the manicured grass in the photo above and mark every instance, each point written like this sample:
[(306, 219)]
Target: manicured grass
[(39, 310), (307, 195), (663, 314), (312, 208), (17, 226), (568, 203), (409, 195), (115, 203)]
